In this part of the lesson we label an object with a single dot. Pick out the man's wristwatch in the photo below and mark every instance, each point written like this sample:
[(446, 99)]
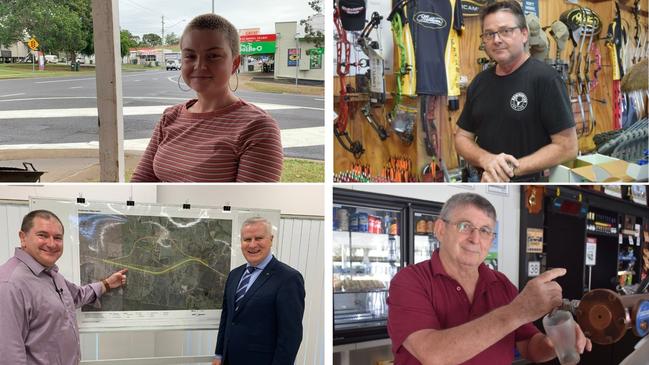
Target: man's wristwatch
[(106, 286)]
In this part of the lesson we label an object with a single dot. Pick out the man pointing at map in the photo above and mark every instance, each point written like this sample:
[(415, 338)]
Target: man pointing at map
[(263, 305), (38, 316)]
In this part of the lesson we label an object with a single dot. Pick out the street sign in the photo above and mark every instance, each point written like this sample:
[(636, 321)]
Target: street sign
[(33, 44)]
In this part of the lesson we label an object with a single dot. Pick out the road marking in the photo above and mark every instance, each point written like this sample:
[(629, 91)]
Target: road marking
[(94, 98), (4, 96), (177, 80), (92, 78), (318, 99), (297, 137), (126, 111), (68, 80), (145, 98), (303, 137), (76, 87)]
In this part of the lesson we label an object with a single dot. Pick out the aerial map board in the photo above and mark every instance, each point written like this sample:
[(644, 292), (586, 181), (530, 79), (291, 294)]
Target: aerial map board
[(173, 263), (177, 260)]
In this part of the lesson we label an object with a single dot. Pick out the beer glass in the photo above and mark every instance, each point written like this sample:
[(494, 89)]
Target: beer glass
[(560, 328)]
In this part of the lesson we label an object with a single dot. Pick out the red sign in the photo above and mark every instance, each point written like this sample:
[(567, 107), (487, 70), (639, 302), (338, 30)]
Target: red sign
[(249, 31), (258, 38)]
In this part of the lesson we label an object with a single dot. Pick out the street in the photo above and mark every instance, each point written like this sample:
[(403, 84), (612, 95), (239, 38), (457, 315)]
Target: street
[(50, 111)]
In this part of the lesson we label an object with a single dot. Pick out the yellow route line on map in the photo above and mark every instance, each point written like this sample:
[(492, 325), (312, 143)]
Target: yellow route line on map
[(136, 268)]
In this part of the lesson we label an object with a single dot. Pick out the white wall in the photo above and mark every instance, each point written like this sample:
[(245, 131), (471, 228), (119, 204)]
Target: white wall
[(286, 39), (99, 192), (299, 199), (507, 211)]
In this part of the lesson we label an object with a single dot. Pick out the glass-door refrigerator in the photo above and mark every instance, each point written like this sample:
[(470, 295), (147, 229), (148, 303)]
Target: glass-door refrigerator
[(423, 222), (368, 250), (374, 236)]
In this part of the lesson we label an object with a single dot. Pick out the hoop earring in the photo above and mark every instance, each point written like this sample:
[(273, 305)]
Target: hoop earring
[(181, 89), (236, 75)]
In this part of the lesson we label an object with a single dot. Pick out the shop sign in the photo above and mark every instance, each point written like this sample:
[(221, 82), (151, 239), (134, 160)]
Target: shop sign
[(531, 7), (250, 48), (258, 38), (534, 240), (473, 7), (293, 57), (315, 57), (591, 251)]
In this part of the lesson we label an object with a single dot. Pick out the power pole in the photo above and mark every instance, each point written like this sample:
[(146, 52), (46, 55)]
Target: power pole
[(164, 65), (212, 6), (163, 30)]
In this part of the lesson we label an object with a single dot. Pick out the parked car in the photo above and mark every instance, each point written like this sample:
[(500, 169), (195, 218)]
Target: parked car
[(51, 58), (173, 65)]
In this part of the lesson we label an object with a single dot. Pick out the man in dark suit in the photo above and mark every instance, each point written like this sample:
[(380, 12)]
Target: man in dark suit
[(263, 305)]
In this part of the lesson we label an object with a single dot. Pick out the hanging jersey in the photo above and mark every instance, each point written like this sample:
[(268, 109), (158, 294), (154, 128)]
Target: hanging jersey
[(431, 22)]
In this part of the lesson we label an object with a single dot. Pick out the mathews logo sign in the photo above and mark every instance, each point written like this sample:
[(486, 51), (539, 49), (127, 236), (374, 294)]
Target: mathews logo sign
[(430, 20)]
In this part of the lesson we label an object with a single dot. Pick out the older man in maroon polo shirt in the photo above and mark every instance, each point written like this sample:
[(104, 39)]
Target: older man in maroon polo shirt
[(453, 309)]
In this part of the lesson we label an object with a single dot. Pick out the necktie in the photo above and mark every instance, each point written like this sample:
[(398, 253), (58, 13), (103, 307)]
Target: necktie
[(243, 285)]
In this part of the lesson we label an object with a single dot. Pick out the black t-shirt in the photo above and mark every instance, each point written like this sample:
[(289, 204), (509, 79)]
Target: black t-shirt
[(517, 113)]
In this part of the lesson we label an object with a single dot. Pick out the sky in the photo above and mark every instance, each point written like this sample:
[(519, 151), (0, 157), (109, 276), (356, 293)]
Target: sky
[(145, 16)]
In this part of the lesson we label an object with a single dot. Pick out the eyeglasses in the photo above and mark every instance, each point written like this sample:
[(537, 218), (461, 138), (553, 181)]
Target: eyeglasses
[(502, 33), (467, 228)]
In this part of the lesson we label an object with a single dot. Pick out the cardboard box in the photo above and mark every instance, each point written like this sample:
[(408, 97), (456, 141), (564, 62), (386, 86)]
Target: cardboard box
[(598, 168)]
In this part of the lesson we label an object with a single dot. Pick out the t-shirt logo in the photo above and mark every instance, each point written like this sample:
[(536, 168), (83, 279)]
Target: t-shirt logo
[(518, 102), (430, 20)]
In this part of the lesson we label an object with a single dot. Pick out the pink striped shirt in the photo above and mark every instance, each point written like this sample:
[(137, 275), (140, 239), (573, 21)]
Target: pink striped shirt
[(240, 142)]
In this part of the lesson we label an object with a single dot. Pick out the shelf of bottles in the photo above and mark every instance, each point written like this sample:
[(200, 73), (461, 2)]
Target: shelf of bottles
[(629, 242), (425, 241), (366, 255), (601, 223)]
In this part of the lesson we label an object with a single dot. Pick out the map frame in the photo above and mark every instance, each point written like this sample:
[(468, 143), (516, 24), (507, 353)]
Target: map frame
[(69, 263)]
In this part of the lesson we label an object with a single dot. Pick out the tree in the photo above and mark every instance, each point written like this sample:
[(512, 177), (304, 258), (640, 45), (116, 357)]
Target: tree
[(126, 42), (57, 25), (83, 8), (171, 38), (315, 36), (11, 29), (136, 41), (151, 40)]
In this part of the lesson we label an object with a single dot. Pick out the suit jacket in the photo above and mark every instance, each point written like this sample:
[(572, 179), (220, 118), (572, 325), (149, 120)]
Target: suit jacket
[(266, 326)]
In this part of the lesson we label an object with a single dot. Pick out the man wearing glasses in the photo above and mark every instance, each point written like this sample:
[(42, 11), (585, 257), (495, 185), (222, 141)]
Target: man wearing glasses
[(453, 309), (517, 120), (38, 306)]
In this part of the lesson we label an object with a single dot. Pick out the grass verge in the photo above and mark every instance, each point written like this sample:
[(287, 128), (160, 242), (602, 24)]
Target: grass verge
[(298, 170), (24, 71), (295, 170), (269, 87)]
